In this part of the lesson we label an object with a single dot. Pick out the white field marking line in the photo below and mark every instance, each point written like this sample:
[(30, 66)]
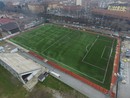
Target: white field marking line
[(93, 65), (38, 33), (55, 42), (41, 33), (73, 69), (31, 37), (103, 52), (19, 43), (24, 46), (26, 35), (88, 52), (104, 40), (34, 34), (32, 42), (87, 47), (108, 61), (45, 37), (53, 34), (90, 48)]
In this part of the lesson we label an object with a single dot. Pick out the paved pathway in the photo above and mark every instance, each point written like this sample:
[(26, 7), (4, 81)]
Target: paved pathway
[(123, 89), (71, 81)]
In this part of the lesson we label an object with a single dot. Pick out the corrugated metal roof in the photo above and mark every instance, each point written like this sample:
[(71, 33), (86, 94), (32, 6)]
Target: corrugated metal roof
[(9, 26)]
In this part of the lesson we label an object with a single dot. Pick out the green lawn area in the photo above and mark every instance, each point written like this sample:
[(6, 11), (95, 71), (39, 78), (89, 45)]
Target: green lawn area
[(54, 83), (10, 87), (88, 55)]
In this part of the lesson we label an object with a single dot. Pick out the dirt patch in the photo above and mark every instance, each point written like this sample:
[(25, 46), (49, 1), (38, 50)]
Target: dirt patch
[(46, 92), (40, 93)]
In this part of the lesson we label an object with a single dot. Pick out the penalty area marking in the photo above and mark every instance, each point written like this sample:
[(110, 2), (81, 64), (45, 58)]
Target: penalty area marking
[(88, 52), (93, 65), (104, 51), (108, 61), (105, 40), (90, 48)]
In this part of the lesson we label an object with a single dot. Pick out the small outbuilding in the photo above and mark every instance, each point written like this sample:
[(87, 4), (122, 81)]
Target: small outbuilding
[(42, 76)]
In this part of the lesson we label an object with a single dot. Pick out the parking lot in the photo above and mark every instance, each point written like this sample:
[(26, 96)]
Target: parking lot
[(124, 83)]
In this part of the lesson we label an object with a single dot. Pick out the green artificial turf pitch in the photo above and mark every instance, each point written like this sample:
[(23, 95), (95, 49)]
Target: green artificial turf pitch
[(84, 53)]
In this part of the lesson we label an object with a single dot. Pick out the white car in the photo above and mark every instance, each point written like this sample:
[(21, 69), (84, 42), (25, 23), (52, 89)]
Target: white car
[(123, 81)]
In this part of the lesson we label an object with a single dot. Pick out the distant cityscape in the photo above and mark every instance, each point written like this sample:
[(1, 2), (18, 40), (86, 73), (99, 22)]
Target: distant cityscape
[(92, 13)]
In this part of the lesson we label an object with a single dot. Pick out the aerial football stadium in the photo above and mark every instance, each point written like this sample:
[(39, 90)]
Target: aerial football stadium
[(85, 53)]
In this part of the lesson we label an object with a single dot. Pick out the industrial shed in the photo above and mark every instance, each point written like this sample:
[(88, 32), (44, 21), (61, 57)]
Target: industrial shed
[(22, 68)]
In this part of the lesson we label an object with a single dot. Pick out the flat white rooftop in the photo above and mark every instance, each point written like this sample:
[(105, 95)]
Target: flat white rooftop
[(19, 63)]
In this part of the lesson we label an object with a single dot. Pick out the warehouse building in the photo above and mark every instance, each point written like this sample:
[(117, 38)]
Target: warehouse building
[(22, 68)]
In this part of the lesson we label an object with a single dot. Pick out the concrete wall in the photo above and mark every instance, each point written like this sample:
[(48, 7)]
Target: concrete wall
[(13, 72)]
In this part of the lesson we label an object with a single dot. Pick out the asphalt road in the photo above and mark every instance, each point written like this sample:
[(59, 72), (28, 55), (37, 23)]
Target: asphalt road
[(71, 81)]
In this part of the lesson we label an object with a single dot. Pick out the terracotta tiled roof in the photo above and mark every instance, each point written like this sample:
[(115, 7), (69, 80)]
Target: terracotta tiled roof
[(5, 20)]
